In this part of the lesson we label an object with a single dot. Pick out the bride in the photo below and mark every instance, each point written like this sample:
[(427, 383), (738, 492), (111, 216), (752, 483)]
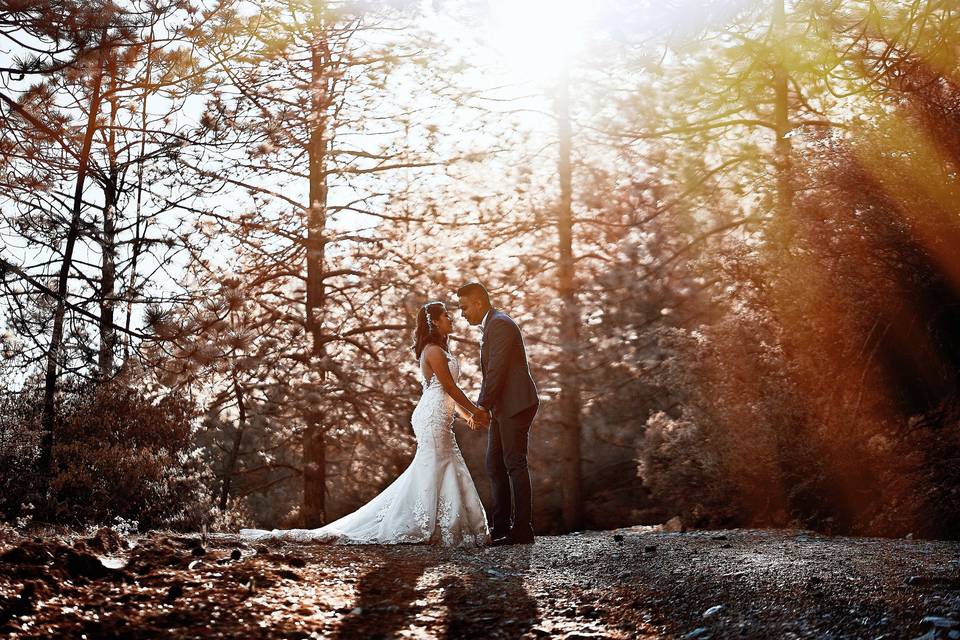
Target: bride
[(434, 500)]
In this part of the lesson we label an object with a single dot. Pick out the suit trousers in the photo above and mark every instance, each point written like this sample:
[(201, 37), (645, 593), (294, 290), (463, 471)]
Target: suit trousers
[(508, 473)]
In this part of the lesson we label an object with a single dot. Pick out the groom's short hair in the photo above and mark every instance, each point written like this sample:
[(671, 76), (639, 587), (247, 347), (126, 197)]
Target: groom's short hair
[(474, 289)]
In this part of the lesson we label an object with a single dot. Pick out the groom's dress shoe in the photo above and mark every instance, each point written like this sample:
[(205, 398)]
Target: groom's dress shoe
[(514, 538), (496, 535)]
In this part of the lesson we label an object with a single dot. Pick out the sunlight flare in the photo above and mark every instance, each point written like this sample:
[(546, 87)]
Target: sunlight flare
[(538, 37)]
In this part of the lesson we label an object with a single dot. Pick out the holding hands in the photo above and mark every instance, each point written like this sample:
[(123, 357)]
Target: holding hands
[(479, 418), (483, 418), (474, 415)]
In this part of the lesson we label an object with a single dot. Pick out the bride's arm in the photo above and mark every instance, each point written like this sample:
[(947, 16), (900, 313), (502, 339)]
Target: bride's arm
[(466, 415), (437, 360)]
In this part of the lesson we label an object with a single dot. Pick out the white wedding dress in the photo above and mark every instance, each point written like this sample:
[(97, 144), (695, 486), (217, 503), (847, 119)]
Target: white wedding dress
[(433, 501)]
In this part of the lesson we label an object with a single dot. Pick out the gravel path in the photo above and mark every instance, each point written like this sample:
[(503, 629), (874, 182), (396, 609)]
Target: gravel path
[(631, 583)]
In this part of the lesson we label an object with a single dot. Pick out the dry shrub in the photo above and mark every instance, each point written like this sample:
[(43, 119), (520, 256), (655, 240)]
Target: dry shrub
[(117, 454)]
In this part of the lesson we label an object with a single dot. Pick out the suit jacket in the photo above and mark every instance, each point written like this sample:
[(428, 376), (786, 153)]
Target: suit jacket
[(507, 387)]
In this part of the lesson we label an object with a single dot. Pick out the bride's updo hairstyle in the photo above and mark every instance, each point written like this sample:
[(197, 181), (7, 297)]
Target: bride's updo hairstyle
[(427, 332)]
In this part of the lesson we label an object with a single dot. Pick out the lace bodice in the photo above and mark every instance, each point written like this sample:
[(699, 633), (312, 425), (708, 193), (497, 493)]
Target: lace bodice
[(432, 419), (434, 381)]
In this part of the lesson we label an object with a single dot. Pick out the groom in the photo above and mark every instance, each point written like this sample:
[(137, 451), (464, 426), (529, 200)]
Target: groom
[(509, 397)]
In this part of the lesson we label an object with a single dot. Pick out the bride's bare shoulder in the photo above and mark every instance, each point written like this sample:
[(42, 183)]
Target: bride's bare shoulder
[(437, 357), (431, 349)]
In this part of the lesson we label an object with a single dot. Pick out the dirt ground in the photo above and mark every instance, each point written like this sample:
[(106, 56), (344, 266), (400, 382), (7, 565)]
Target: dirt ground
[(630, 583)]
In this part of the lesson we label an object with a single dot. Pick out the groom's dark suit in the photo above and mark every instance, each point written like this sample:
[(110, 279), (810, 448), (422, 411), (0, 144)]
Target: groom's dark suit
[(509, 393)]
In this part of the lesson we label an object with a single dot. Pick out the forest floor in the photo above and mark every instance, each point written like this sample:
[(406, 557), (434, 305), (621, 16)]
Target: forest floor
[(631, 583)]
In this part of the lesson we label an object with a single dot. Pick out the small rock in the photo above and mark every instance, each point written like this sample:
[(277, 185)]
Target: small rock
[(357, 611), (940, 622), (699, 632), (720, 537), (617, 537), (198, 551), (174, 592), (106, 540), (235, 554), (85, 565), (673, 525), (932, 581), (650, 548), (712, 611), (113, 562)]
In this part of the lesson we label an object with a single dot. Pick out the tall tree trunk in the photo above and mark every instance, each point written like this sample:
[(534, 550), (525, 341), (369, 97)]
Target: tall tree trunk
[(137, 234), (56, 335), (108, 247), (782, 146), (314, 442), (569, 382), (230, 464)]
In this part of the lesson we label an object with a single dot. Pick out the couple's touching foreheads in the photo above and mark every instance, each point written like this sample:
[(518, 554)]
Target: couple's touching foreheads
[(434, 500)]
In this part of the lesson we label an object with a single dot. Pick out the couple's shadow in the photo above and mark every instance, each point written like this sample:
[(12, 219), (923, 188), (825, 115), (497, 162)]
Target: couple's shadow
[(479, 590)]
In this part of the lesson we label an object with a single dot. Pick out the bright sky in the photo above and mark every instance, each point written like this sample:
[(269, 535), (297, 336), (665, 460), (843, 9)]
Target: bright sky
[(537, 37)]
